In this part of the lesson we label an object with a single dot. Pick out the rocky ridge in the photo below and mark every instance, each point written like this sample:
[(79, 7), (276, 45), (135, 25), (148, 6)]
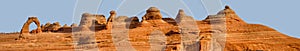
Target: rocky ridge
[(239, 35)]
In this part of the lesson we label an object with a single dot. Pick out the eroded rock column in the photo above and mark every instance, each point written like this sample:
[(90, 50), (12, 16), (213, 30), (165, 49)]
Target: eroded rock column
[(189, 32), (111, 18)]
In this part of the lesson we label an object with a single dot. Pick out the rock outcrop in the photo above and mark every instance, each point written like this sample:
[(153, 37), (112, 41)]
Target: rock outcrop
[(86, 20), (74, 25), (25, 28), (225, 31), (100, 19), (153, 13), (189, 31), (66, 25), (132, 22), (181, 17), (48, 27), (110, 19), (227, 16), (170, 21), (113, 14), (91, 22), (153, 18), (100, 23), (242, 36), (65, 29)]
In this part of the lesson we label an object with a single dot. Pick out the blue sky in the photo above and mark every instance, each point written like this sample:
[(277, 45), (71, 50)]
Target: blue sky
[(281, 15)]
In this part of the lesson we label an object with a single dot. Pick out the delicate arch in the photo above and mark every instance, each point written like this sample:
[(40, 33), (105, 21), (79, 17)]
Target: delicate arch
[(25, 28)]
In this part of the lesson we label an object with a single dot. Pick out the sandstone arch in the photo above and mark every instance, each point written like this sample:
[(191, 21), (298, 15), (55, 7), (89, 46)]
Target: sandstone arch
[(25, 28)]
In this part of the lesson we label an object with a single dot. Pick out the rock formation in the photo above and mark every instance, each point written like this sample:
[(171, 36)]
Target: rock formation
[(86, 20), (205, 42), (153, 18), (110, 19), (91, 22), (121, 19), (153, 13), (181, 16), (66, 25), (74, 25), (227, 15), (170, 21), (55, 26), (239, 35), (25, 28), (132, 22), (48, 27), (113, 14), (100, 23), (65, 29), (189, 31), (100, 19)]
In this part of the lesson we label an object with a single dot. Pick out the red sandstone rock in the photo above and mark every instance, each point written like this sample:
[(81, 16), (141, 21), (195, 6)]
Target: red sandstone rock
[(51, 27), (153, 13), (240, 36), (91, 22), (153, 18), (25, 28), (112, 16), (132, 22)]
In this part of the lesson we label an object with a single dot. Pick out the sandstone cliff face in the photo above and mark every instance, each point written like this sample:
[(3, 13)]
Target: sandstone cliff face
[(166, 33)]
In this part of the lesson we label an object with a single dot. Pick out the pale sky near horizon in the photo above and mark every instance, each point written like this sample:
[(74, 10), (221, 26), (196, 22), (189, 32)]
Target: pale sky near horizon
[(281, 15)]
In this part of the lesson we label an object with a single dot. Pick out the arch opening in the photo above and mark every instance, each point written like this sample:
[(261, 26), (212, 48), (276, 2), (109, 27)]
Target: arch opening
[(32, 26)]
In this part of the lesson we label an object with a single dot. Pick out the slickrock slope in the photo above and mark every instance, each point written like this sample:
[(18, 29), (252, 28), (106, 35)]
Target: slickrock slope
[(164, 33), (242, 36)]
